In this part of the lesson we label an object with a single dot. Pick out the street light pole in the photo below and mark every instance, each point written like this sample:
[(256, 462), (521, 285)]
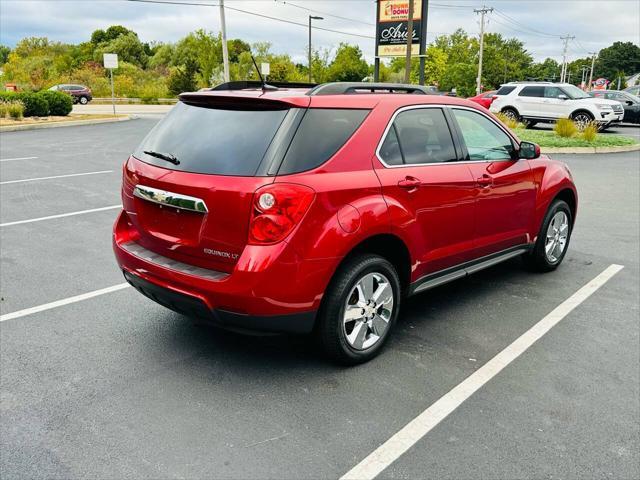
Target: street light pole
[(311, 17)]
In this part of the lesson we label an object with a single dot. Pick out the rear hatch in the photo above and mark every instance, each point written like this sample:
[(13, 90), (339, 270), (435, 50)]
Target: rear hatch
[(188, 187)]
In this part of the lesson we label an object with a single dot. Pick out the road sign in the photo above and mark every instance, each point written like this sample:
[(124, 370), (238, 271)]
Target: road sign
[(110, 60)]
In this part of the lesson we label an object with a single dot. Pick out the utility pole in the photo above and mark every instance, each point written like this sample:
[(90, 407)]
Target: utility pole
[(563, 73), (311, 17), (593, 64), (482, 11), (225, 50), (407, 63), (585, 69)]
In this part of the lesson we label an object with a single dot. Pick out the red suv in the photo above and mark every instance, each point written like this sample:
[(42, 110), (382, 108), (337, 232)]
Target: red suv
[(319, 209)]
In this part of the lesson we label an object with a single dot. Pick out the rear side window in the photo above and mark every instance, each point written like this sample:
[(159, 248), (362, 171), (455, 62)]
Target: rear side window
[(320, 135), (424, 136), (212, 140), (390, 149), (532, 92), (505, 90)]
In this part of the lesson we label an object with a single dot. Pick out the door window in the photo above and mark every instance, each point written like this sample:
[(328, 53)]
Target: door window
[(532, 92), (484, 139), (553, 92), (423, 136)]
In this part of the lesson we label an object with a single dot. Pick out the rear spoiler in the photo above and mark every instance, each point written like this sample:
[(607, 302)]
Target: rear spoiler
[(241, 100), (255, 84)]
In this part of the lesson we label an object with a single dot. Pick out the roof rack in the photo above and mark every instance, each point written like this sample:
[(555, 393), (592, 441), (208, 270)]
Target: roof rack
[(341, 88), (252, 84)]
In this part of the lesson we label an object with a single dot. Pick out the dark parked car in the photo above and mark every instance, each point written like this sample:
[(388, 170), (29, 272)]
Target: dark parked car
[(80, 93), (630, 103)]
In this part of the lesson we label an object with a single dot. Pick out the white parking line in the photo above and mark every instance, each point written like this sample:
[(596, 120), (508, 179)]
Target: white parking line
[(14, 159), (61, 215), (411, 433), (56, 176), (60, 303)]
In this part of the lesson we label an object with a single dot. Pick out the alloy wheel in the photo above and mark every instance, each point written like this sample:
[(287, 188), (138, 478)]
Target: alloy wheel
[(368, 311), (557, 234)]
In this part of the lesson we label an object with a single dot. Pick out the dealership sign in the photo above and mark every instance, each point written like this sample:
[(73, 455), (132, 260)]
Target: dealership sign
[(392, 28)]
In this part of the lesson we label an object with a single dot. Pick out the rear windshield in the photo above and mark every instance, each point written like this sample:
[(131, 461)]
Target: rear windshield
[(212, 140), (235, 142)]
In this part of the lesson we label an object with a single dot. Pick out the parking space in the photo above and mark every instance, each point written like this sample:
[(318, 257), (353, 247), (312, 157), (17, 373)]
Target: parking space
[(118, 387)]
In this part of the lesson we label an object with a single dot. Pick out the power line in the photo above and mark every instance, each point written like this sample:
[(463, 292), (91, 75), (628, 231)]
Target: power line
[(168, 2), (325, 13), (523, 26)]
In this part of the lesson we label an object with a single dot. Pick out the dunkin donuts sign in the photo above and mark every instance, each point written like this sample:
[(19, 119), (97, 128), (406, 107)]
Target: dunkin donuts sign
[(392, 28)]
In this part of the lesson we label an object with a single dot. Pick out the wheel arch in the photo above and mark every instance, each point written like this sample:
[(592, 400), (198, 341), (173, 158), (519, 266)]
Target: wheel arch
[(389, 246), (568, 195), (582, 110)]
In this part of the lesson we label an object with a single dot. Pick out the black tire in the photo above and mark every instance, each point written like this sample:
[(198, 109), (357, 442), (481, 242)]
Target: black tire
[(582, 118), (330, 331), (83, 100), (511, 112), (537, 259)]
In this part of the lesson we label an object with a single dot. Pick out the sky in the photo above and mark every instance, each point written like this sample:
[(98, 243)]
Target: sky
[(537, 23)]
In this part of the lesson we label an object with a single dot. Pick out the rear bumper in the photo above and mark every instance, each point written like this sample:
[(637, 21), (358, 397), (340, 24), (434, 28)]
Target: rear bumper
[(195, 307), (270, 288)]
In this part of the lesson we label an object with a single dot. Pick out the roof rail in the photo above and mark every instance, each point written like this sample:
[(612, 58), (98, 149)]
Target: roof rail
[(252, 84), (340, 88)]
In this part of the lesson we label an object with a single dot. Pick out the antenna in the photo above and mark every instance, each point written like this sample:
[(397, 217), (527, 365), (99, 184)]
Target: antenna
[(265, 85)]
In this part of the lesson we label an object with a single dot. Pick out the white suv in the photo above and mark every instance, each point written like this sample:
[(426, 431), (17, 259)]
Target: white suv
[(535, 102)]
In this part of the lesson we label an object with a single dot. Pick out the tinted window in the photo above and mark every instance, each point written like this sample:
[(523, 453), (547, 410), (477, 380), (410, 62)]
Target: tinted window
[(390, 149), (483, 138), (212, 140), (424, 136), (505, 90), (532, 92), (320, 135)]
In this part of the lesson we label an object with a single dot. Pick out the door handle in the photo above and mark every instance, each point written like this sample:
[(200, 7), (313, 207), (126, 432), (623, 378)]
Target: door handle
[(409, 183), (485, 180)]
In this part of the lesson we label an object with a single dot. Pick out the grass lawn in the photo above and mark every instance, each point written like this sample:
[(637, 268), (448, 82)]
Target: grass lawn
[(33, 120), (550, 139)]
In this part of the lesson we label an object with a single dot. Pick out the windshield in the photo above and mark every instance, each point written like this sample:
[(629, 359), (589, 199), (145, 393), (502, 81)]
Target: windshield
[(635, 98), (211, 140), (574, 92)]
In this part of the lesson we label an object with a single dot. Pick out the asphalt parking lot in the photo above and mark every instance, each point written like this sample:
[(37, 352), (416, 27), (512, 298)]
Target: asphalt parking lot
[(115, 386)]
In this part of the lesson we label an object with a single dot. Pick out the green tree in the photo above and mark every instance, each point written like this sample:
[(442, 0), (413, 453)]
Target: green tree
[(163, 56), (183, 79), (547, 70), (619, 58), (205, 49), (348, 65), (128, 47), (4, 54)]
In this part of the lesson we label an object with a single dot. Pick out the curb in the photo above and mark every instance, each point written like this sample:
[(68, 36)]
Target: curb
[(72, 123), (624, 148)]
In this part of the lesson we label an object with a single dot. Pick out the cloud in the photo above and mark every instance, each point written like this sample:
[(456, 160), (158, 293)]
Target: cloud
[(596, 24)]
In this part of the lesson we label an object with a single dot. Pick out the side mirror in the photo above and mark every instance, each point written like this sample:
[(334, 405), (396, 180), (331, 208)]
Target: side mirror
[(629, 102), (563, 97), (528, 151)]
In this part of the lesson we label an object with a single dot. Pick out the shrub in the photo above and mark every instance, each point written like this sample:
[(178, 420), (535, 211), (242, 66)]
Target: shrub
[(4, 109), (16, 110), (60, 103), (565, 127), (507, 120), (35, 105), (590, 131)]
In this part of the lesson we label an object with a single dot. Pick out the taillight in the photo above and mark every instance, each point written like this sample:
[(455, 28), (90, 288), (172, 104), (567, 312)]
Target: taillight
[(277, 209)]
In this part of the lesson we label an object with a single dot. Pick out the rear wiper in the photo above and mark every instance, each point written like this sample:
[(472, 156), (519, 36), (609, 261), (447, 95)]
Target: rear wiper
[(164, 156)]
